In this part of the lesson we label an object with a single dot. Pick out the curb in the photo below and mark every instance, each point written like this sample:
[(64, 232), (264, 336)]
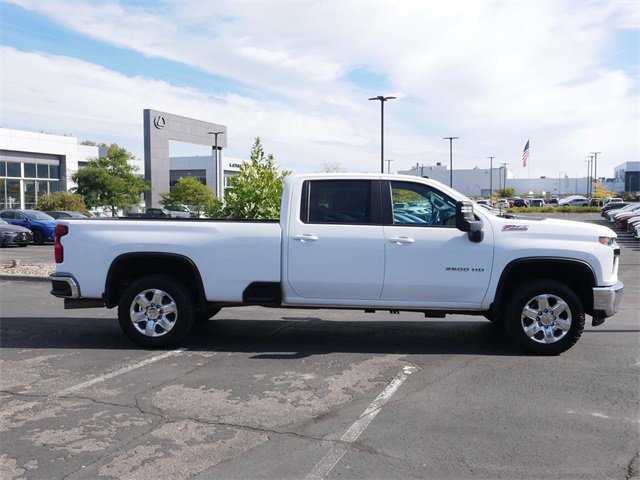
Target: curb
[(24, 278)]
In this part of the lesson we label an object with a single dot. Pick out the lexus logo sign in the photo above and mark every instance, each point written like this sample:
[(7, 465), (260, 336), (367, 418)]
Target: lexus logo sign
[(159, 122)]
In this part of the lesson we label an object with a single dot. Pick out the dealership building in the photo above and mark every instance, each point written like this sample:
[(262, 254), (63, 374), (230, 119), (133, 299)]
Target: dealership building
[(35, 164)]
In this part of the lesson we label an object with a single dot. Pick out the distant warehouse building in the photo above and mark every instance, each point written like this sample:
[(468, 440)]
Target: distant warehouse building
[(480, 182)]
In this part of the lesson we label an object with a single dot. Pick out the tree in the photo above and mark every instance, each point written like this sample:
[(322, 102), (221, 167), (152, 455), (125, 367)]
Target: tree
[(188, 191), (508, 192), (110, 181), (256, 191), (62, 201), (599, 192)]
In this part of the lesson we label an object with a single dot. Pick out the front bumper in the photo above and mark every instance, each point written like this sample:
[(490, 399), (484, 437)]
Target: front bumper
[(606, 301)]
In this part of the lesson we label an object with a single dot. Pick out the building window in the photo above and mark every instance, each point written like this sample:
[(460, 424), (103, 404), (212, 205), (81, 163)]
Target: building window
[(12, 195), (29, 170), (29, 193), (13, 169), (43, 171), (3, 169)]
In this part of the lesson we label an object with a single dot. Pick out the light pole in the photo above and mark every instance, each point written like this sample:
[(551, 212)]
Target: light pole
[(589, 176), (595, 165), (504, 184), (451, 139), (382, 100), (559, 185), (491, 175), (216, 165)]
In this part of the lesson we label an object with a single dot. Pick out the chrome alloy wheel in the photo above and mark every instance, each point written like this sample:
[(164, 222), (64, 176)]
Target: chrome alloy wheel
[(153, 312), (546, 318)]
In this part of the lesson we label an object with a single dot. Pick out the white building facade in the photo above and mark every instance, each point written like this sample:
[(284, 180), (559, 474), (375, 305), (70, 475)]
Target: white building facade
[(35, 164)]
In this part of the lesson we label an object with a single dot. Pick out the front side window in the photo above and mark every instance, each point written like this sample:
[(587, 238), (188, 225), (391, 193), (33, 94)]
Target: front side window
[(337, 201), (417, 204)]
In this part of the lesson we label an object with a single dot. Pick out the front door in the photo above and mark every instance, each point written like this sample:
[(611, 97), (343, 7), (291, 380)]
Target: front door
[(428, 260)]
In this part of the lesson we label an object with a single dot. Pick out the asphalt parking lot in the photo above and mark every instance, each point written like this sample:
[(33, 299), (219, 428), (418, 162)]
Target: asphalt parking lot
[(312, 394)]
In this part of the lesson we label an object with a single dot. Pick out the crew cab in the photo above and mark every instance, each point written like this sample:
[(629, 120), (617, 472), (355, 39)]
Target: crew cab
[(368, 242)]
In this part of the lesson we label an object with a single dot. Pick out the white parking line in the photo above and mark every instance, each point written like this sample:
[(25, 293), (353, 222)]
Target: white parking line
[(333, 456), (129, 368)]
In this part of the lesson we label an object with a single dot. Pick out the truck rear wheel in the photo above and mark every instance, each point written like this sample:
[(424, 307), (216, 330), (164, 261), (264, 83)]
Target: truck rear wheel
[(545, 317), (155, 311)]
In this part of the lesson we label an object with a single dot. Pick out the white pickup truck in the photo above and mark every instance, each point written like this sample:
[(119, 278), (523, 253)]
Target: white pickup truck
[(350, 241)]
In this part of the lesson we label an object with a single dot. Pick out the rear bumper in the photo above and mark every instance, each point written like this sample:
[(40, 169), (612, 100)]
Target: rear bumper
[(606, 301), (64, 286)]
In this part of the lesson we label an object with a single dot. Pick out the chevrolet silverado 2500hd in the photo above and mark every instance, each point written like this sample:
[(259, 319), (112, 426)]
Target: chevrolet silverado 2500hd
[(368, 242)]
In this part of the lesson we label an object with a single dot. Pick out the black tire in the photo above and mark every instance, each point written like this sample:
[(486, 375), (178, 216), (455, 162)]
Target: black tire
[(38, 237), (156, 311), (545, 317)]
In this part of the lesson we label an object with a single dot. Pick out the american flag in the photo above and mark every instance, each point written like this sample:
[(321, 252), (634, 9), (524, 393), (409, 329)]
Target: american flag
[(525, 154)]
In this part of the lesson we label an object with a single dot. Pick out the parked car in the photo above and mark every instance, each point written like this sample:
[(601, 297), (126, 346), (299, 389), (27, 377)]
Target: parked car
[(153, 213), (66, 214), (612, 206), (623, 218), (574, 202), (503, 203), (520, 202), (612, 215), (632, 223), (41, 225), (537, 202), (14, 235)]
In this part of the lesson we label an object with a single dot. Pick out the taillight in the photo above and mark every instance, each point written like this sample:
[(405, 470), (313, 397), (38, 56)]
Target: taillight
[(58, 250)]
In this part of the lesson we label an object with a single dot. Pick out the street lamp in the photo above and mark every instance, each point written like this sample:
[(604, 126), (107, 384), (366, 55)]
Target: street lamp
[(589, 176), (382, 100), (216, 165), (595, 165), (451, 139), (559, 184), (491, 175), (504, 184)]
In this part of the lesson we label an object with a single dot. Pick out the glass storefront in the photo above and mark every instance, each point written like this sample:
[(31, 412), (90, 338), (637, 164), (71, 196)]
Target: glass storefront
[(22, 183)]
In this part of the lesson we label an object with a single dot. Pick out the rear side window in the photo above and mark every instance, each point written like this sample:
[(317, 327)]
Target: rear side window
[(338, 201)]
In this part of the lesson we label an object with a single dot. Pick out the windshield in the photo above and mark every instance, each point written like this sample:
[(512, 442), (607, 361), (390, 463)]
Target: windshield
[(36, 215)]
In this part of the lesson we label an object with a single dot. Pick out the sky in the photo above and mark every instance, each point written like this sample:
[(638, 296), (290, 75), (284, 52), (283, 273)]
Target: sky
[(299, 74)]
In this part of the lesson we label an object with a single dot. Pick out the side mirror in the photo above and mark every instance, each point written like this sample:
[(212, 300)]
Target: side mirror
[(466, 221)]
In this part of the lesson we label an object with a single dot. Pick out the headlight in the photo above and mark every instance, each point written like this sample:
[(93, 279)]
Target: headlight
[(610, 241)]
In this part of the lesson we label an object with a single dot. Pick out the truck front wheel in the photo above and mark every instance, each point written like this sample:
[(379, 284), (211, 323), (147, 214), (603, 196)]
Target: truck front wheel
[(155, 311), (545, 317)]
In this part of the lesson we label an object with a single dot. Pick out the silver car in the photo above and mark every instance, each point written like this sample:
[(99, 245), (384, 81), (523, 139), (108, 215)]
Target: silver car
[(14, 235)]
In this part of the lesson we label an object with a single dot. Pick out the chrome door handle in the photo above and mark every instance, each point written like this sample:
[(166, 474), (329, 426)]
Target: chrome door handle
[(401, 240), (305, 237)]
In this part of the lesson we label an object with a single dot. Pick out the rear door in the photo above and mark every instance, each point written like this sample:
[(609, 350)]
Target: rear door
[(335, 246)]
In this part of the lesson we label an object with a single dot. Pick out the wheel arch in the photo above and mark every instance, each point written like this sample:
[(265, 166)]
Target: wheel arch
[(129, 267), (576, 274)]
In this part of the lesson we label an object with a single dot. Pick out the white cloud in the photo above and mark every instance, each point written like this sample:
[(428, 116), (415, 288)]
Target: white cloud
[(492, 73)]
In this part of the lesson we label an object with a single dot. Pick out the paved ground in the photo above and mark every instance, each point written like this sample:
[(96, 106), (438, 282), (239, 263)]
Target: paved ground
[(275, 394)]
